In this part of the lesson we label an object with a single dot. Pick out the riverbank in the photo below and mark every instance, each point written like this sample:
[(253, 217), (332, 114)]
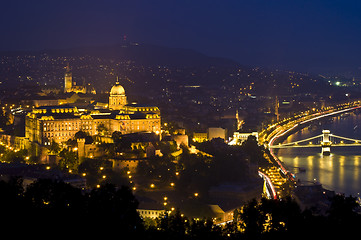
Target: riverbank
[(280, 131), (339, 171)]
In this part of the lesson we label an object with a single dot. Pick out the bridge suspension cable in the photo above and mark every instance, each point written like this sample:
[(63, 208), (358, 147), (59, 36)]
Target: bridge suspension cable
[(304, 140), (345, 138), (325, 142)]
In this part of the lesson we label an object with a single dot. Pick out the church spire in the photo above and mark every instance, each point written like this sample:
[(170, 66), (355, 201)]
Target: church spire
[(68, 79), (67, 67)]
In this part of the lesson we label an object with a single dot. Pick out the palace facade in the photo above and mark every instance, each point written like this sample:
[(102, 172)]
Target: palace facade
[(60, 123)]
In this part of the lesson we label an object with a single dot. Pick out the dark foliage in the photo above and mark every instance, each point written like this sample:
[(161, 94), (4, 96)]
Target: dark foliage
[(54, 207)]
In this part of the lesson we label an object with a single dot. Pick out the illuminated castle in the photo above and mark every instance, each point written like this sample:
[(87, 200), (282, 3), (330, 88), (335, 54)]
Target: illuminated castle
[(60, 123)]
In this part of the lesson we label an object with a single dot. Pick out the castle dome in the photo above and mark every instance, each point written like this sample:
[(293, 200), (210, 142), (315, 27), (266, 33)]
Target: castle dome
[(117, 89)]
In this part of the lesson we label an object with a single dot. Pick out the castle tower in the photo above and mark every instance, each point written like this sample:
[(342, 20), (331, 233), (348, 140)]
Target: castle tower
[(117, 97), (81, 147), (68, 80)]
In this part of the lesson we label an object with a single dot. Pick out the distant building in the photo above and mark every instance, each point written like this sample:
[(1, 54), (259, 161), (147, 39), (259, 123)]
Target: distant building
[(41, 101), (88, 150), (200, 137), (180, 139), (216, 133), (150, 213), (151, 210), (47, 90), (131, 164), (70, 86), (210, 134), (239, 137), (68, 80)]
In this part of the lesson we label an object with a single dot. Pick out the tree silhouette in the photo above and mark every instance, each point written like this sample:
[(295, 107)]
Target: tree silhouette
[(69, 160), (54, 147), (52, 194), (174, 225), (252, 219), (114, 207), (282, 215), (343, 215), (102, 129), (80, 134), (57, 206), (204, 229)]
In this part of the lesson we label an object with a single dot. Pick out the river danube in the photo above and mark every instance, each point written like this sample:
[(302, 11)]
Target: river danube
[(341, 171)]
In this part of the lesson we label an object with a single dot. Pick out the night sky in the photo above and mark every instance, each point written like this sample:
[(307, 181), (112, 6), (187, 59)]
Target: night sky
[(309, 35)]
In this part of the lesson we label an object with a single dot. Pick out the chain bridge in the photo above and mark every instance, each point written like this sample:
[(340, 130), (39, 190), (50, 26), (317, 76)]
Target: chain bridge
[(324, 140)]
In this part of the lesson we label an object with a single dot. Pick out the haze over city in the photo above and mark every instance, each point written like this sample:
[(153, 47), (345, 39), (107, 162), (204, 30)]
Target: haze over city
[(311, 36)]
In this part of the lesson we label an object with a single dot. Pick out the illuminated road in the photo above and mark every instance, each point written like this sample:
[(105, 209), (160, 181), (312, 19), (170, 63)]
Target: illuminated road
[(286, 126)]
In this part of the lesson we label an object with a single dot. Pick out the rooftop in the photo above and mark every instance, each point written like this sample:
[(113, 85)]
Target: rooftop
[(55, 107)]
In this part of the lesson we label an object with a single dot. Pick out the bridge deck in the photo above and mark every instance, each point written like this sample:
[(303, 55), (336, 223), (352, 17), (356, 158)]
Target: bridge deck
[(317, 145)]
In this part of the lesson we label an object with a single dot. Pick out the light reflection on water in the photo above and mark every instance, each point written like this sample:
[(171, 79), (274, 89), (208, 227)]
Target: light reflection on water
[(340, 171)]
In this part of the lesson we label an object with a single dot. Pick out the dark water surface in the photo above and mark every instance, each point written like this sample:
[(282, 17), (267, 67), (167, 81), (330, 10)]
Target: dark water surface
[(341, 171)]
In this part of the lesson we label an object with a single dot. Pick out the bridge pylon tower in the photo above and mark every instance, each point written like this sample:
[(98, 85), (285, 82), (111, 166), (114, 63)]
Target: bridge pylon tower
[(326, 142)]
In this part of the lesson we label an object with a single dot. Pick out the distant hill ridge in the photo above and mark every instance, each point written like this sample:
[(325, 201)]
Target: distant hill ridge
[(144, 54)]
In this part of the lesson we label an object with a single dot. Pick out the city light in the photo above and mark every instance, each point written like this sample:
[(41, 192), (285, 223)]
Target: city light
[(145, 132)]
